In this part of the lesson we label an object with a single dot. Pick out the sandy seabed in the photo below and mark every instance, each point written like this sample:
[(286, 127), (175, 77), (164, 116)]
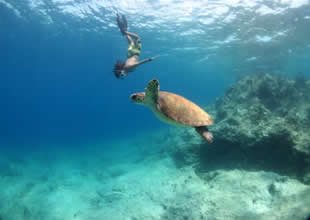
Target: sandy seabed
[(138, 180)]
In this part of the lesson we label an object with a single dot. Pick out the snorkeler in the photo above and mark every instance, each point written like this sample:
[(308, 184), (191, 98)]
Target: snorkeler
[(121, 69)]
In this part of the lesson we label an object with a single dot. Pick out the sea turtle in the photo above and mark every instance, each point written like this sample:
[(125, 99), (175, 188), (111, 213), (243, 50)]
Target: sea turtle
[(174, 109)]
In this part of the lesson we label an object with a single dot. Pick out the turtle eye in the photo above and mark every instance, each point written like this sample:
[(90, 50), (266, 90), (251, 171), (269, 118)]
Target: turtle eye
[(134, 97)]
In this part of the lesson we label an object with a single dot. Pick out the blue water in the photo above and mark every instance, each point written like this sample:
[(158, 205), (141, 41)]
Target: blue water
[(57, 84), (56, 78)]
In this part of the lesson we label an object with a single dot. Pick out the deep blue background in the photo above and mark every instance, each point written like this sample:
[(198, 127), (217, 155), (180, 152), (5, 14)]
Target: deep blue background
[(57, 85)]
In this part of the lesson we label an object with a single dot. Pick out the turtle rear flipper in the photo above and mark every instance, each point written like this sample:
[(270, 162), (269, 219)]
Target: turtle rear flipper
[(205, 133), (151, 92)]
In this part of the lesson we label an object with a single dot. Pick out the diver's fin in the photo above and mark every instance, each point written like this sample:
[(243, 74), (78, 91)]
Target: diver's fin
[(125, 24), (122, 23), (118, 20)]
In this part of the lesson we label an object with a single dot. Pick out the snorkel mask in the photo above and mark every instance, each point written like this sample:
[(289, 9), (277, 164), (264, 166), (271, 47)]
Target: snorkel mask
[(122, 74)]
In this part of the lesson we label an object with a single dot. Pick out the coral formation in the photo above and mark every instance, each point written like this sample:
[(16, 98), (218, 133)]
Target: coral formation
[(261, 122)]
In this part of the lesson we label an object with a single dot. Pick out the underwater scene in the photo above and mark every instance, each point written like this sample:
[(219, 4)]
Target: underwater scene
[(154, 110)]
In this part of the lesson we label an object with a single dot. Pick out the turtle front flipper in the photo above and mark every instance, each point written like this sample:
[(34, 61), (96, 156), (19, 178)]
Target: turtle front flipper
[(205, 133), (151, 92)]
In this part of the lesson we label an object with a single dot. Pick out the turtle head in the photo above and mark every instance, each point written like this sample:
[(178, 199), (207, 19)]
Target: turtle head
[(138, 98)]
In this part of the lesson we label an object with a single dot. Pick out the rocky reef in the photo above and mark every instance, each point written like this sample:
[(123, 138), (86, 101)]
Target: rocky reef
[(262, 122)]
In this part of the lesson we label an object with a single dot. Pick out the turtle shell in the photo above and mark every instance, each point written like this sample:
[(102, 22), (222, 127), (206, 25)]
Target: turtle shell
[(182, 110)]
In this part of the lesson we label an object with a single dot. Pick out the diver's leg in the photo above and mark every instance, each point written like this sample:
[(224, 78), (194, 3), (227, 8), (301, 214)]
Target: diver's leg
[(129, 39), (133, 35)]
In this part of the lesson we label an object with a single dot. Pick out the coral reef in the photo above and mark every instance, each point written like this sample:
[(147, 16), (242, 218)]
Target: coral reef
[(261, 122)]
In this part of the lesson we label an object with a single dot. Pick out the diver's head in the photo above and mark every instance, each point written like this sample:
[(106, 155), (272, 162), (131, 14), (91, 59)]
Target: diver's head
[(138, 98), (119, 71), (120, 74)]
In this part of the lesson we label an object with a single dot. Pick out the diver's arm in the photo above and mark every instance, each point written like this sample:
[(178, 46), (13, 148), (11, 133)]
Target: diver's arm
[(144, 61), (132, 35), (147, 60)]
